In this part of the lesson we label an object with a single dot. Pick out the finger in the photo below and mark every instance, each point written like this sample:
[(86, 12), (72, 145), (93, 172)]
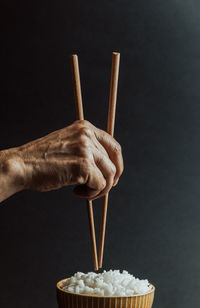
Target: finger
[(113, 149), (95, 182), (107, 168), (79, 171)]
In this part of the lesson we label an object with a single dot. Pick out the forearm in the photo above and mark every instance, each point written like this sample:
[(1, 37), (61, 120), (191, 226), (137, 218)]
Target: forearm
[(11, 173)]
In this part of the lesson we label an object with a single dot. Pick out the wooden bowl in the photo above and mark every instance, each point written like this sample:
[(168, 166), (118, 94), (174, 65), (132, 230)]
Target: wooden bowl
[(70, 300)]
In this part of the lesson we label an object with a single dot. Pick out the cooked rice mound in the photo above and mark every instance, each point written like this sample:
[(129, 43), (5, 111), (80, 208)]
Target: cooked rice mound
[(108, 283)]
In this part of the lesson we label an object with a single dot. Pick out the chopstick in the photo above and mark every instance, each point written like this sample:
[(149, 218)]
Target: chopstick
[(110, 130), (80, 116)]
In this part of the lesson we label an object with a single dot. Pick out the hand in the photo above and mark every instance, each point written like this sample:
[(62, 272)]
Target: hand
[(78, 154)]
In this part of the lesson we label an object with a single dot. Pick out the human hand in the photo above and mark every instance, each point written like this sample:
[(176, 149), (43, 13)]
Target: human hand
[(79, 154)]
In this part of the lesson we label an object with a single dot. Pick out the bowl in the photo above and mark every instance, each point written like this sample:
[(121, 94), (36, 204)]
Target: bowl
[(70, 300)]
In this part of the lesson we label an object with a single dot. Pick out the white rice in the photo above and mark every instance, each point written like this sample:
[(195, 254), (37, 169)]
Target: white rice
[(110, 283)]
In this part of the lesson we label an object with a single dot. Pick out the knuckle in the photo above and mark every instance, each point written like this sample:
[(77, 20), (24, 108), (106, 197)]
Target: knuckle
[(86, 131), (102, 184), (113, 170), (82, 123), (83, 141), (84, 127), (117, 148), (85, 122)]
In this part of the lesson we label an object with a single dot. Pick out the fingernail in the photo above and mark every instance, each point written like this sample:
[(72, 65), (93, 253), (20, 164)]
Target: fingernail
[(115, 183)]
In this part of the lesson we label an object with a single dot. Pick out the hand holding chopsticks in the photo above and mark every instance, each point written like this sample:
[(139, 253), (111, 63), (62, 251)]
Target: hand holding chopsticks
[(110, 130)]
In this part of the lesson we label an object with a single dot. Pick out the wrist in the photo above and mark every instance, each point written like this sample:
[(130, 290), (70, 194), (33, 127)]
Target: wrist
[(12, 172)]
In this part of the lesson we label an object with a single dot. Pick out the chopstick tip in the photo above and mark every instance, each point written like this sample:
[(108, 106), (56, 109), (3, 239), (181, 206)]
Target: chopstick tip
[(115, 53), (73, 55)]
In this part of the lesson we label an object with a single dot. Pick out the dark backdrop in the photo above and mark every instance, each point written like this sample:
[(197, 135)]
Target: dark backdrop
[(154, 213)]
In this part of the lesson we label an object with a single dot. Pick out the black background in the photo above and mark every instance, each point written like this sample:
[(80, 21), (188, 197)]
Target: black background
[(153, 220)]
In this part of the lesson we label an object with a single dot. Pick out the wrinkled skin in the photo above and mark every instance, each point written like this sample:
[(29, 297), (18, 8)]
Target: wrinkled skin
[(79, 154)]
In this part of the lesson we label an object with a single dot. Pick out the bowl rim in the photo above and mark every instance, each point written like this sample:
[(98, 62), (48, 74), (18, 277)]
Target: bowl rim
[(58, 287)]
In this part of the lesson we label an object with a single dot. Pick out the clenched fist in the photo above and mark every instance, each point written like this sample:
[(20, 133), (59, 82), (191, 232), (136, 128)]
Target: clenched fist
[(79, 154)]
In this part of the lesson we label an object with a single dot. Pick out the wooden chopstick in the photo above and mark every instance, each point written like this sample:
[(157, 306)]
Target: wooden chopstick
[(110, 130), (80, 116)]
